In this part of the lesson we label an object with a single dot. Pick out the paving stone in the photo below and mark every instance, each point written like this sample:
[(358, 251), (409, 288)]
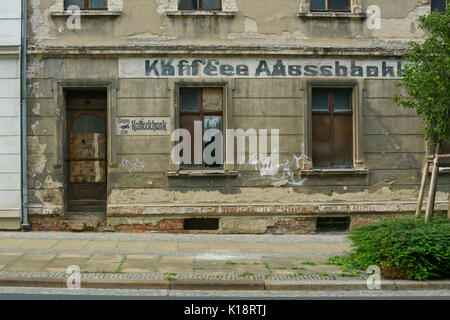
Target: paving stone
[(101, 245), (132, 246), (98, 263), (176, 259), (175, 268), (30, 262), (8, 257), (13, 243), (39, 244), (70, 244), (62, 261), (255, 247), (224, 247), (323, 247), (140, 264), (192, 246), (162, 246)]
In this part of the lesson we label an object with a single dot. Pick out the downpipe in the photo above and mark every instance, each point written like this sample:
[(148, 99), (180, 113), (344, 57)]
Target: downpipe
[(23, 114)]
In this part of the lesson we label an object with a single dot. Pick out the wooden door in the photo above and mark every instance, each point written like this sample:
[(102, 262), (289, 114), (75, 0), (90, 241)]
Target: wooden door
[(86, 158)]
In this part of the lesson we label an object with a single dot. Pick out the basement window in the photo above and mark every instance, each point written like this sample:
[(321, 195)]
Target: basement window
[(329, 224), (201, 224), (439, 6)]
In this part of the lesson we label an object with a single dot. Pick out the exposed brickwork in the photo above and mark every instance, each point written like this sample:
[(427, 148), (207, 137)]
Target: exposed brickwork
[(281, 225), (166, 225), (294, 226), (360, 220), (58, 224)]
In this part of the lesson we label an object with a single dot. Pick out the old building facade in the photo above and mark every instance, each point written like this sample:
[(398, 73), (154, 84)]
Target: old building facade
[(10, 121), (108, 84)]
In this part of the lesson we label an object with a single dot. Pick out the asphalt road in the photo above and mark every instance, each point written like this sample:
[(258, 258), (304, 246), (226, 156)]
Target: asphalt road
[(8, 293)]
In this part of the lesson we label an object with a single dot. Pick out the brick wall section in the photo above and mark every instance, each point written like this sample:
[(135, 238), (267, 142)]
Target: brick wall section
[(360, 220), (166, 225), (294, 226)]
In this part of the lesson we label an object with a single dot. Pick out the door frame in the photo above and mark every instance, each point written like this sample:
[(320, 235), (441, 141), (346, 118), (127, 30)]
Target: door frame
[(60, 135), (69, 160)]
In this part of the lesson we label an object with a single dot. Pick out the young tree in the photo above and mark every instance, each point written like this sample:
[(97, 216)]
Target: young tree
[(426, 77)]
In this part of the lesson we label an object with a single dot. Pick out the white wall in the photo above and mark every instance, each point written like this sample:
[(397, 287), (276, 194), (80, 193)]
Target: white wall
[(10, 168)]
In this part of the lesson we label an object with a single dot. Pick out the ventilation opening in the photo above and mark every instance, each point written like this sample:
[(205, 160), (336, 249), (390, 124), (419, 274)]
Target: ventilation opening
[(201, 224), (327, 224)]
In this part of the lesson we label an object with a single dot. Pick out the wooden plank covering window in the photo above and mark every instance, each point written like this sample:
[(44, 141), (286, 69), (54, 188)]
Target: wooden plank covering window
[(332, 128), (206, 106), (87, 4)]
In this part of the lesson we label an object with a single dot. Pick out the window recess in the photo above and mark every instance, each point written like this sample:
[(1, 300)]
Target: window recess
[(330, 5), (87, 4), (332, 128), (200, 5), (205, 106)]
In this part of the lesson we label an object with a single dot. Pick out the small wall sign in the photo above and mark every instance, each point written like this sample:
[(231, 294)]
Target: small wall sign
[(142, 126)]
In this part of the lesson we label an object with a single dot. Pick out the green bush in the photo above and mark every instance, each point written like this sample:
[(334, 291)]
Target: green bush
[(403, 249)]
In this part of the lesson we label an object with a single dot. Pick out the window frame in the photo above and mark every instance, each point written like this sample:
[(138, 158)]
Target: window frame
[(329, 5), (200, 7), (227, 86), (86, 6), (202, 114), (358, 86), (331, 113)]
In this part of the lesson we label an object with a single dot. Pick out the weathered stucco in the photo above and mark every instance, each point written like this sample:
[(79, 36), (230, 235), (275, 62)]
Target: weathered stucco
[(141, 189), (149, 22)]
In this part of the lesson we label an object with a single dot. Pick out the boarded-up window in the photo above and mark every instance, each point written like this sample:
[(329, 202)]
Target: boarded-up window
[(330, 5), (205, 106), (332, 128), (199, 4), (87, 4)]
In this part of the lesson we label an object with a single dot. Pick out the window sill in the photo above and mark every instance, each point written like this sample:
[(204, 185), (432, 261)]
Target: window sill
[(331, 15), (326, 172), (202, 173), (84, 13), (201, 13)]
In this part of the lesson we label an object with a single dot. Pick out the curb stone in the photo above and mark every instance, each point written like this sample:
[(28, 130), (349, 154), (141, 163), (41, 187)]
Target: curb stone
[(321, 285), (269, 285)]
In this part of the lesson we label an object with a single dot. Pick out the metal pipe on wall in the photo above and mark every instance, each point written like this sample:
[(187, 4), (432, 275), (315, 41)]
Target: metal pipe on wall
[(23, 97)]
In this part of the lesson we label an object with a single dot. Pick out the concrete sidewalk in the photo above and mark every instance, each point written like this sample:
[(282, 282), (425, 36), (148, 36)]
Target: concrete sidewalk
[(165, 261)]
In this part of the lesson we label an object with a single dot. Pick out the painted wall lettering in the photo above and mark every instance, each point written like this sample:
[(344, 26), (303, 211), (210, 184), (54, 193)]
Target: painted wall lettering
[(258, 68)]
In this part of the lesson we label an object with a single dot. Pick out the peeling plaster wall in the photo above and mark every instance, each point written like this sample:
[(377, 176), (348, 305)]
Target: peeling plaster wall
[(273, 23), (138, 185)]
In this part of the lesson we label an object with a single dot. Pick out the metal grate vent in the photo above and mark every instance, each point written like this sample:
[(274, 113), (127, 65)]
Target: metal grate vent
[(327, 224), (201, 224)]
